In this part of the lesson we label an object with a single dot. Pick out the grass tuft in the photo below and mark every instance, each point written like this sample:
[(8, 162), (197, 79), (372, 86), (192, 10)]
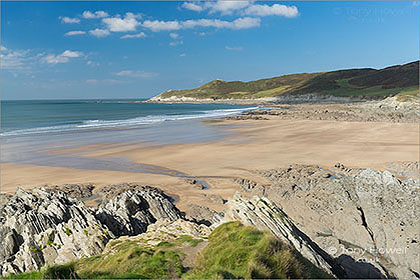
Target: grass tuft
[(233, 251), (237, 251)]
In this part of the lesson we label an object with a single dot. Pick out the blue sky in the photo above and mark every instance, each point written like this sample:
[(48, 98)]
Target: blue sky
[(53, 50)]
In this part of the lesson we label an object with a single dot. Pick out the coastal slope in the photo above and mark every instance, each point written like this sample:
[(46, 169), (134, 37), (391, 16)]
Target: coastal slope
[(364, 83)]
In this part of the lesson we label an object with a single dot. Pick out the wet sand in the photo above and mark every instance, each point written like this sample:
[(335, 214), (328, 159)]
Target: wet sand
[(257, 144)]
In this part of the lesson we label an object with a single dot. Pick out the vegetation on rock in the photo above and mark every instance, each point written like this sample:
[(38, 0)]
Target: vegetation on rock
[(233, 251), (237, 251)]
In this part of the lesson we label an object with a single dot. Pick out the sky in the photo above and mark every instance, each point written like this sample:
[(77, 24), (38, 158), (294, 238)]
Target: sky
[(138, 49)]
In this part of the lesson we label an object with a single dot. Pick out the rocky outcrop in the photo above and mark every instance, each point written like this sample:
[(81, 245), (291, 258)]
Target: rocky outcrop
[(79, 191), (247, 185), (129, 209), (388, 110), (164, 230), (41, 227), (264, 215), (203, 215), (366, 220), (49, 227)]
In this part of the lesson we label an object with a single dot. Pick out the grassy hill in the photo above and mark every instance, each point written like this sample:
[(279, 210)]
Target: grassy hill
[(233, 251), (366, 82)]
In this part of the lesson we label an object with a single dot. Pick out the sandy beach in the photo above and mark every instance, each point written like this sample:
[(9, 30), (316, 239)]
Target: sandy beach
[(255, 145)]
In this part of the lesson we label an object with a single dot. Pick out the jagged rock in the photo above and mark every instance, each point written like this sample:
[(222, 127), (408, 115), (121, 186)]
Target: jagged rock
[(4, 198), (248, 185), (368, 220), (387, 110), (80, 191), (203, 215), (129, 209), (47, 227), (264, 215), (341, 167), (164, 230)]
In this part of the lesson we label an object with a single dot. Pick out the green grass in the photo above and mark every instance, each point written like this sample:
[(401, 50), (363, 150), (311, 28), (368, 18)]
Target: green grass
[(133, 262), (344, 83), (187, 238), (233, 251), (66, 271), (365, 92), (236, 251), (408, 94)]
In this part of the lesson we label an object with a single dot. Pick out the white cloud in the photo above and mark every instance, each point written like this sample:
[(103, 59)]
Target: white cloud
[(274, 10), (138, 35), (54, 59), (174, 35), (183, 54), (117, 24), (97, 14), (136, 74), (176, 43), (69, 20), (13, 59), (92, 63), (75, 32), (234, 48), (157, 25), (244, 7), (72, 54), (226, 7), (99, 32), (61, 58), (240, 23), (246, 22), (192, 6)]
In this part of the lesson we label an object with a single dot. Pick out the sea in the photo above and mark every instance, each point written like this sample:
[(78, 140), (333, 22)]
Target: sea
[(30, 129)]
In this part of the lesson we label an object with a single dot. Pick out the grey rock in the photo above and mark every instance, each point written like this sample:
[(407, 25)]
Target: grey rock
[(129, 209), (80, 191), (367, 220), (203, 215), (46, 227), (248, 185), (265, 215), (41, 227)]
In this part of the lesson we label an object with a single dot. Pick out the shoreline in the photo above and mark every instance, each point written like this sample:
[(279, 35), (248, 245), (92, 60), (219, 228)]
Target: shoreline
[(255, 144)]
